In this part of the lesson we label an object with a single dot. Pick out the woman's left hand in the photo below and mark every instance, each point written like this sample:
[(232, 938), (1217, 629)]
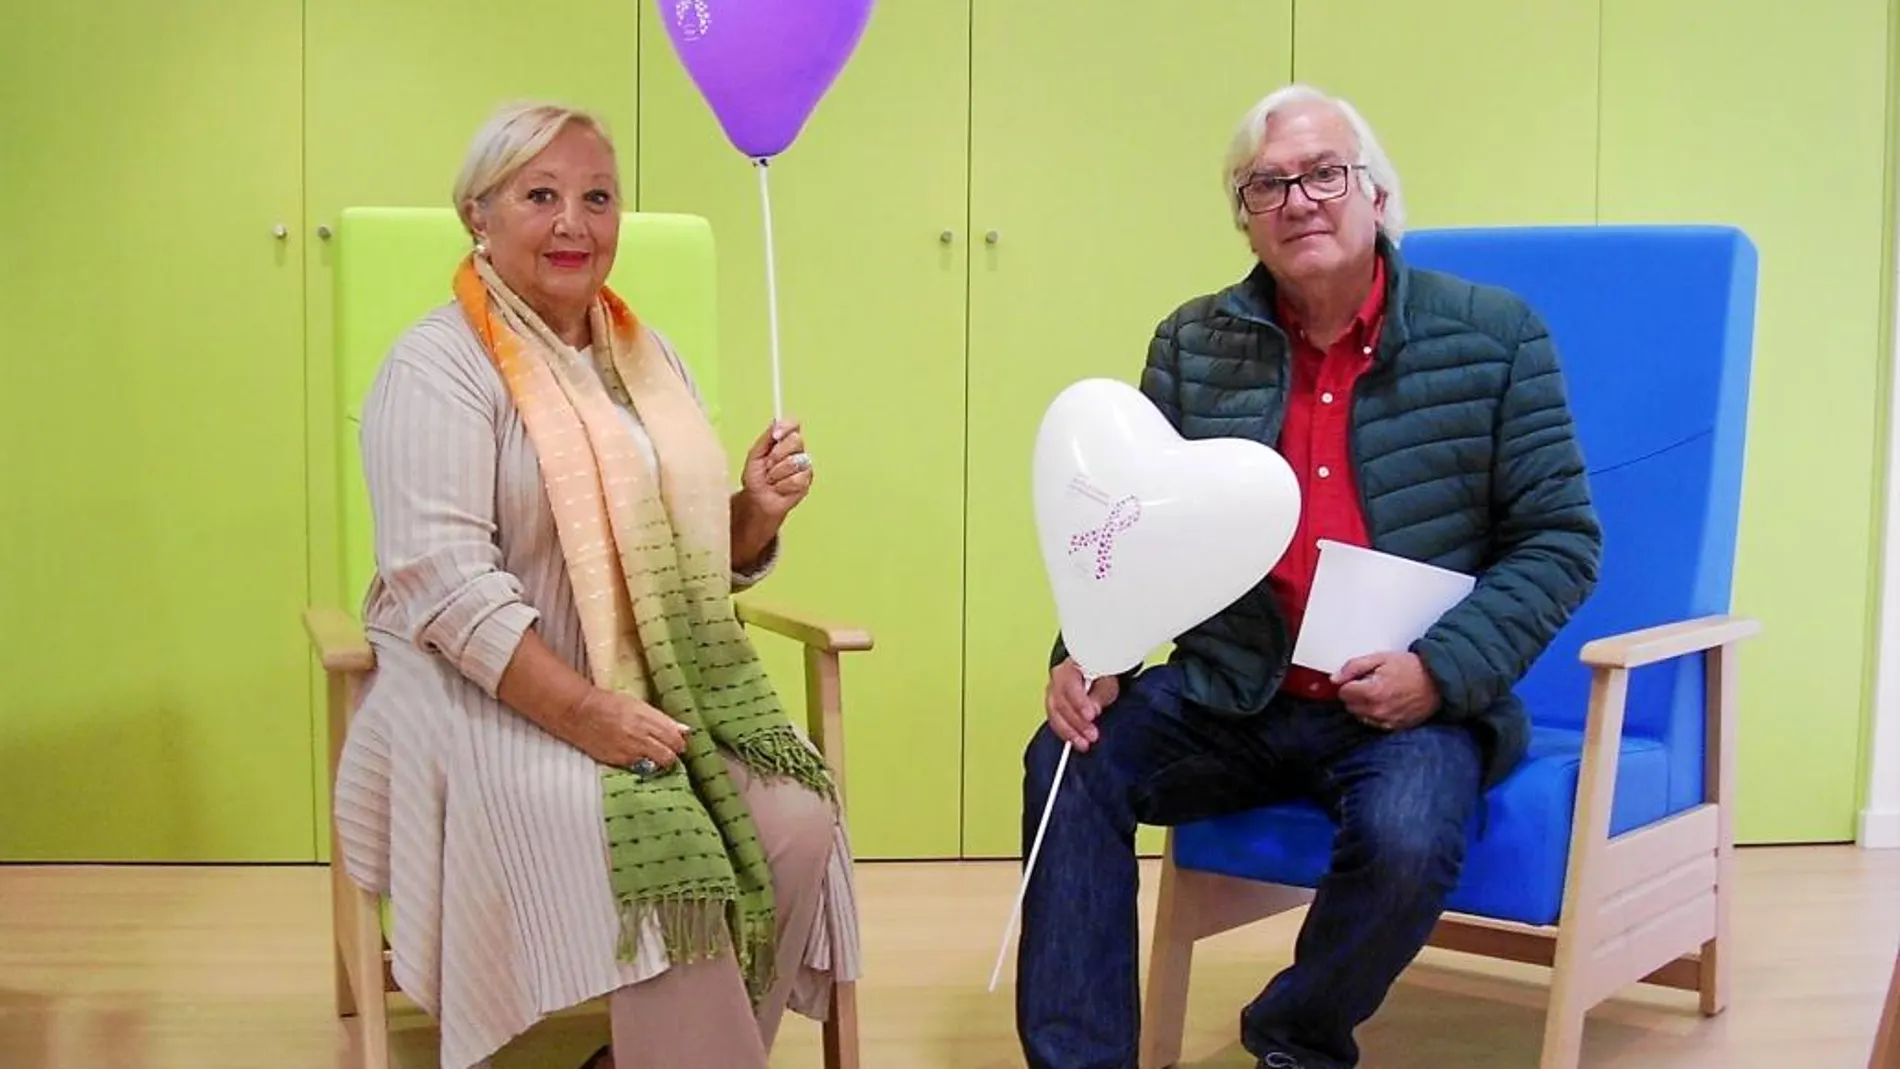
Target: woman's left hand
[(777, 473)]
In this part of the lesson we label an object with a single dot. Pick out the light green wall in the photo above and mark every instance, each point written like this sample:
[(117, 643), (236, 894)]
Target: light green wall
[(152, 545), (176, 515), (1482, 133), (1696, 128)]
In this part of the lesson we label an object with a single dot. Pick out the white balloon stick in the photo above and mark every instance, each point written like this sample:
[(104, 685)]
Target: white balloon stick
[(1029, 867), (771, 289)]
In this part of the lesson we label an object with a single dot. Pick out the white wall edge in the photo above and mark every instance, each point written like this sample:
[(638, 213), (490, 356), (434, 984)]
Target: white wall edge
[(1879, 830), (1880, 820)]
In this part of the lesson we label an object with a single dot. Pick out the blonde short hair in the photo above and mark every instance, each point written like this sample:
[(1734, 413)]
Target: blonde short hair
[(1379, 175), (507, 141)]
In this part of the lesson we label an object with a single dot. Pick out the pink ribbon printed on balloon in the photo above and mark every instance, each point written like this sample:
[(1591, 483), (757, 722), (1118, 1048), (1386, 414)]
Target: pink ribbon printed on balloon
[(1124, 515)]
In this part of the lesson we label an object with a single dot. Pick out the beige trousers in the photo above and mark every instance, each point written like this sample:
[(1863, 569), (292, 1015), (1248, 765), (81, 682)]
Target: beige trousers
[(698, 1015)]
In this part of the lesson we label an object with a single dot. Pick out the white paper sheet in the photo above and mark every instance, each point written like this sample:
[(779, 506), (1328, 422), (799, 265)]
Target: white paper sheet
[(1364, 601)]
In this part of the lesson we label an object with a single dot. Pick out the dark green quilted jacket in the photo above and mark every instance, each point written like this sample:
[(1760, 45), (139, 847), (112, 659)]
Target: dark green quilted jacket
[(1466, 458)]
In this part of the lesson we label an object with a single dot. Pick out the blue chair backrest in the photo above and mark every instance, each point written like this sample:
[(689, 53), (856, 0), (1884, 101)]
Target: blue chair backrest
[(1654, 326)]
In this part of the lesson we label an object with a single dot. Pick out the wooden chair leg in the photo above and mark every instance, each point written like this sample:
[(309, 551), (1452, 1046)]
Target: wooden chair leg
[(1193, 906), (359, 969), (1575, 970), (1720, 670), (1712, 969), (1887, 1041), (362, 949), (355, 914), (1569, 1004), (343, 925), (841, 1027), (340, 698), (1170, 962), (824, 713)]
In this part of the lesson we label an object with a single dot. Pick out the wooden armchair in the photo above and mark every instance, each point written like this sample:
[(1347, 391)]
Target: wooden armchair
[(390, 267), (362, 953), (1647, 905)]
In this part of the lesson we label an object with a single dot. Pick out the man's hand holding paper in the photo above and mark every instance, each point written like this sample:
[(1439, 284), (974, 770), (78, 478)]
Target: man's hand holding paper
[(1388, 690)]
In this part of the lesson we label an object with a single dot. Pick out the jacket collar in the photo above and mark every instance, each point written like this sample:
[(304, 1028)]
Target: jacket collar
[(1252, 299)]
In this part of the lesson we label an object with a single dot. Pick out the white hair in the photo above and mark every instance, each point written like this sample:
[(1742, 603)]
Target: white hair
[(1379, 175), (506, 142)]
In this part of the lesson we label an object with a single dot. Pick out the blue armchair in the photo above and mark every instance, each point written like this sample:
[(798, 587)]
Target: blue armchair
[(1606, 853)]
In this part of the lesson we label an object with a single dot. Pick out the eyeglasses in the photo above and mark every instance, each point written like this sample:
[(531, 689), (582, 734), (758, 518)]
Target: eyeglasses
[(1266, 193)]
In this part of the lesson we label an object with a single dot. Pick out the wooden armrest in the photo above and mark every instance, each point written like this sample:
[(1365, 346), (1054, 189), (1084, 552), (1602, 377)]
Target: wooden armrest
[(339, 641), (1635, 649), (803, 629)]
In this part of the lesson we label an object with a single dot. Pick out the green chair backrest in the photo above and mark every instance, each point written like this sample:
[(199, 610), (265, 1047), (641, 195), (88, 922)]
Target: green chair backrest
[(393, 265)]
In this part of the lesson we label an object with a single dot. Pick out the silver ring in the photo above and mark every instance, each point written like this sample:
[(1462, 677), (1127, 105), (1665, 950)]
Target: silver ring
[(801, 461), (644, 767)]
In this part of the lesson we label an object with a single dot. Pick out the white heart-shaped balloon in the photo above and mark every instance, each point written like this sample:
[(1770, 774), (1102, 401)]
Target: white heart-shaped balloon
[(1146, 534)]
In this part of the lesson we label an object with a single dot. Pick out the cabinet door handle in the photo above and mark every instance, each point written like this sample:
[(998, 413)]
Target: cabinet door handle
[(280, 231), (992, 237), (323, 232), (947, 236)]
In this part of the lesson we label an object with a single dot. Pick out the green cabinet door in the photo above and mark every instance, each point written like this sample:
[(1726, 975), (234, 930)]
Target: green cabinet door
[(393, 94), (151, 416), (1096, 146), (1778, 124), (868, 211), (1486, 107)]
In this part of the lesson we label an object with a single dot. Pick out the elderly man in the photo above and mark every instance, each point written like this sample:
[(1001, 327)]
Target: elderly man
[(1425, 416)]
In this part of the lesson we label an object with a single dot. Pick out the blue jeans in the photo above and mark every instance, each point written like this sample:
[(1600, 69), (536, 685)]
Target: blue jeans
[(1401, 802)]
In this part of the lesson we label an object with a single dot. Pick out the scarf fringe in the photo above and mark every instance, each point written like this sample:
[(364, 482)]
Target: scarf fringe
[(697, 927), (693, 926), (758, 951), (781, 753)]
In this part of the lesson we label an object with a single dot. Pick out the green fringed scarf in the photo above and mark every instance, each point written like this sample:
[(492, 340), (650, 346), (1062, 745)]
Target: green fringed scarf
[(649, 561)]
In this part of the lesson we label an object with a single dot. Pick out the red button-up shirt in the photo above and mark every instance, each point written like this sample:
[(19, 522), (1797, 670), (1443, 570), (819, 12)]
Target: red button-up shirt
[(1316, 442)]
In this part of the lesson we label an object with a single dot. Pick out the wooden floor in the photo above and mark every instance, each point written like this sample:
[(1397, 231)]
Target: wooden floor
[(206, 968)]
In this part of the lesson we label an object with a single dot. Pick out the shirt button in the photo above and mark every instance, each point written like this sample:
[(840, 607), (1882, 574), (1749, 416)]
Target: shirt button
[(1312, 688), (1324, 471), (1326, 398), (1367, 350)]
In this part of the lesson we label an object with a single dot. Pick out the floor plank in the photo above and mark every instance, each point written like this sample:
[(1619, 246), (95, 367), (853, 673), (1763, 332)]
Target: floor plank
[(207, 968)]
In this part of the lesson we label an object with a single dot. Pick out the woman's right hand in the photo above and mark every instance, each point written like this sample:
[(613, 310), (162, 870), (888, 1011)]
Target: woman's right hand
[(617, 730)]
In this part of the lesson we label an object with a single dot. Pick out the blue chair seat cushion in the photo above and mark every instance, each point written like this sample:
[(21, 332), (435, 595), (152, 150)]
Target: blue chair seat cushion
[(1519, 846)]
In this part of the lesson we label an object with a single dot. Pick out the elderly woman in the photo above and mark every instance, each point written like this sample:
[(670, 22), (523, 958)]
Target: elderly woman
[(570, 773)]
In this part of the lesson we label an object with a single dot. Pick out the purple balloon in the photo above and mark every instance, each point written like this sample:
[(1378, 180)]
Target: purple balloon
[(763, 65)]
